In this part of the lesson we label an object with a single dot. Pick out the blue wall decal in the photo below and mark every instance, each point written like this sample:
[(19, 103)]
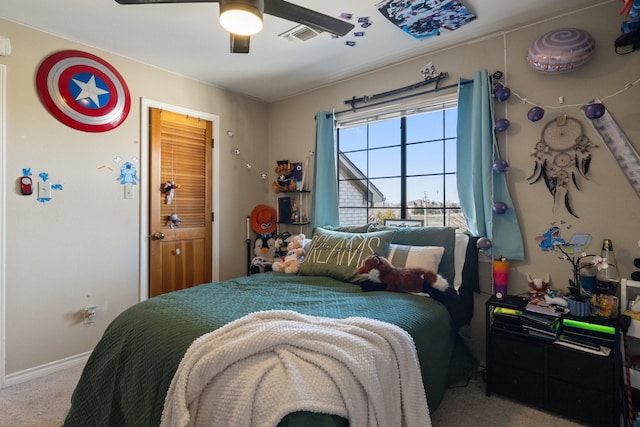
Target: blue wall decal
[(128, 174)]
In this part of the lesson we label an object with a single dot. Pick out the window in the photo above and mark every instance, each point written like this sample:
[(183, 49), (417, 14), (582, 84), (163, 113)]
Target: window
[(402, 166)]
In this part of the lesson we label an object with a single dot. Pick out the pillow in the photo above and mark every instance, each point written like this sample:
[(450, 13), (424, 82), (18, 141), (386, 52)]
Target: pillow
[(427, 236), (416, 256), (338, 254), (363, 228)]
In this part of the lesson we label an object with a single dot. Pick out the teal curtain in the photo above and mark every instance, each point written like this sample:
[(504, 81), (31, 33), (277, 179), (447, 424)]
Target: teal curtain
[(478, 185), (324, 193)]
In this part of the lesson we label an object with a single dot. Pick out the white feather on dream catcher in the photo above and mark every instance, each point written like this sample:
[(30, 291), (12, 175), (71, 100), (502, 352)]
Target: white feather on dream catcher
[(562, 157)]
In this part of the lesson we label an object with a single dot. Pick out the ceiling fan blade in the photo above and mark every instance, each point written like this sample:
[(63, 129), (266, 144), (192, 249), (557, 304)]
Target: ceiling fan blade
[(281, 9), (165, 1), (239, 44), (302, 15)]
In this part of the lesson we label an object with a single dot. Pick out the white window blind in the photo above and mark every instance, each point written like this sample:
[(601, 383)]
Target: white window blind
[(395, 109)]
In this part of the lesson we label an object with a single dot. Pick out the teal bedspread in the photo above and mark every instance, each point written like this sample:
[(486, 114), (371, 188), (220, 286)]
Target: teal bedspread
[(128, 374)]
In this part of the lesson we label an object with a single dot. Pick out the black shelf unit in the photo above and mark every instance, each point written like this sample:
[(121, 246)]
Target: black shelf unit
[(576, 384), (301, 199)]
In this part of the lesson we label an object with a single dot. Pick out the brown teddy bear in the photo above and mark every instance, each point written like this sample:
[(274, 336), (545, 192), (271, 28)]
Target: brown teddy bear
[(295, 255), (285, 180)]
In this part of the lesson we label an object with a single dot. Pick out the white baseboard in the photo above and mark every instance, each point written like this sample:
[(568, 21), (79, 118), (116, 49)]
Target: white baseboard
[(43, 370)]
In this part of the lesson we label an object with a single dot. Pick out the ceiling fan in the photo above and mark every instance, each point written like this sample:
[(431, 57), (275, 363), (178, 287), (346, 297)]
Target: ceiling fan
[(242, 18)]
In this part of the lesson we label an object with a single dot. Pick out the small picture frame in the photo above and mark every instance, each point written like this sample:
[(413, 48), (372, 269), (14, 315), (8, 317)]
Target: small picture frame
[(404, 222)]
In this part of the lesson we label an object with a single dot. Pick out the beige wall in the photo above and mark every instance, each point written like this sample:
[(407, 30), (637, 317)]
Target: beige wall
[(82, 248), (607, 205)]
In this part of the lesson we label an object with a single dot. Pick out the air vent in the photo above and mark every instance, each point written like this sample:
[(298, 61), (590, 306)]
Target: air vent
[(299, 34)]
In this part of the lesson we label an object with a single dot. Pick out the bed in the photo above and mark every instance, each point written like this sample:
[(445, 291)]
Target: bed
[(126, 378)]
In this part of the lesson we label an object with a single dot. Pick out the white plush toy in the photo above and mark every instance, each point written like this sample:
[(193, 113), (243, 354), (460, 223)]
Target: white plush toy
[(295, 254)]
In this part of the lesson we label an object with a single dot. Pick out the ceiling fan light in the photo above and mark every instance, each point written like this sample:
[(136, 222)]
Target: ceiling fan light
[(243, 17)]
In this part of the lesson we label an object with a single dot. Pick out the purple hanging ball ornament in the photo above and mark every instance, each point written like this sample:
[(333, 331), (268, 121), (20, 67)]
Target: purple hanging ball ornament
[(594, 111), (500, 166), (499, 208), (502, 125), (483, 243), (502, 93), (535, 114)]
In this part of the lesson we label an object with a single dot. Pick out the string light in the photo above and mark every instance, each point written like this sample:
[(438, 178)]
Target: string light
[(248, 165), (563, 106)]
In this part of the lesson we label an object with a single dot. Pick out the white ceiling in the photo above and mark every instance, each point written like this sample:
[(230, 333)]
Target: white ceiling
[(187, 39)]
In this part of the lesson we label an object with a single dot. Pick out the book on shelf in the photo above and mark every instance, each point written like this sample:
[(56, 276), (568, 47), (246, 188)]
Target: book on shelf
[(545, 335), (587, 338), (539, 305), (591, 332), (284, 209), (512, 301), (509, 320), (582, 345), (507, 323), (506, 315), (539, 318), (510, 330), (596, 328), (540, 325)]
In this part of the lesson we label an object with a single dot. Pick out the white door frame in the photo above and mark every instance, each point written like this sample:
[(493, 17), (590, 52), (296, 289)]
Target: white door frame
[(3, 219), (144, 187)]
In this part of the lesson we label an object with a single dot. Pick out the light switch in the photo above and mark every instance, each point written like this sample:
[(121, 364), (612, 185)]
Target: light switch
[(44, 190), (128, 191)]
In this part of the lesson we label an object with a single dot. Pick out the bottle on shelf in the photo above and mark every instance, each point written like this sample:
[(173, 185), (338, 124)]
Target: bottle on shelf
[(608, 278)]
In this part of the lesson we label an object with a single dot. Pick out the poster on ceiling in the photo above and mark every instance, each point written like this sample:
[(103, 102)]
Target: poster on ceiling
[(425, 18)]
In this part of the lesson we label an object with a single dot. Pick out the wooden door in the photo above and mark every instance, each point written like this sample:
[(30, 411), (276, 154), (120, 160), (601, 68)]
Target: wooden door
[(180, 253)]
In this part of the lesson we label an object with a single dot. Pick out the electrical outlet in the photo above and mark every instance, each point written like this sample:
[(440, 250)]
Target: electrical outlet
[(89, 314)]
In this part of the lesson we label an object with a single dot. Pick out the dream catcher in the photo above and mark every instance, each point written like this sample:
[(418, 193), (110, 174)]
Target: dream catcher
[(561, 157)]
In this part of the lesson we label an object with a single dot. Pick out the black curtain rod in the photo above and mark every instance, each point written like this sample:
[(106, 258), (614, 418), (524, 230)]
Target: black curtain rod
[(436, 89), (436, 79)]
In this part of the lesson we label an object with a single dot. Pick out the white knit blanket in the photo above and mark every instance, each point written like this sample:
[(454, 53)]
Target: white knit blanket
[(257, 369)]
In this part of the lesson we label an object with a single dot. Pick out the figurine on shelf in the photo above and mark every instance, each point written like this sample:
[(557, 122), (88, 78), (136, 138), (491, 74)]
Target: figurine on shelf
[(295, 213), (538, 287)]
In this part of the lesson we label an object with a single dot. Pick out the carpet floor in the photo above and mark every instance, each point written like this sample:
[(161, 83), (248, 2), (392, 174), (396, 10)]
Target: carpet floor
[(44, 402)]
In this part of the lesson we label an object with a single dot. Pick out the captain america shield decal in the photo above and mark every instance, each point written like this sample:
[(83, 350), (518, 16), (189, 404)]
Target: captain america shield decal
[(83, 91)]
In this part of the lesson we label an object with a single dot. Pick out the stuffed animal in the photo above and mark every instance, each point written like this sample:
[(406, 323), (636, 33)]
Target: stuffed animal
[(260, 265), (264, 220), (295, 255), (538, 287), (383, 276), (285, 180), (265, 246), (281, 243), (379, 270)]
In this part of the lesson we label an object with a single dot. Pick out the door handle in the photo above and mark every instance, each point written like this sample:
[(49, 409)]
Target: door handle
[(159, 235)]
